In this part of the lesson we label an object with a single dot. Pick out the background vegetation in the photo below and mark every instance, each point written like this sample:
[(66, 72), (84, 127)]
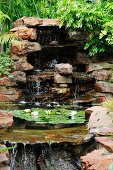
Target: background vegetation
[(93, 17)]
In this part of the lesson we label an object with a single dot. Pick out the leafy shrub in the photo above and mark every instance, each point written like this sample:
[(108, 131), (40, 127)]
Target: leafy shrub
[(96, 19), (6, 63)]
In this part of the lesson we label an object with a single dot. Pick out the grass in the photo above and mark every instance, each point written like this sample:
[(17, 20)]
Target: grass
[(109, 104)]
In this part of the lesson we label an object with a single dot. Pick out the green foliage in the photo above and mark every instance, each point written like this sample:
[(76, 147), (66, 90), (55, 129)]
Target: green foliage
[(19, 8), (6, 63), (109, 104), (3, 17), (54, 116), (5, 149), (95, 19)]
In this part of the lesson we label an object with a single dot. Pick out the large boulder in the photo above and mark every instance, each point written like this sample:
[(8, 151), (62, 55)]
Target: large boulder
[(64, 68), (106, 87), (98, 66), (24, 47), (25, 33), (102, 74), (100, 120), (6, 119)]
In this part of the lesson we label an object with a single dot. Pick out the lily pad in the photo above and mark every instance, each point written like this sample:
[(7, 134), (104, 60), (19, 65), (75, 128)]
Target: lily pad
[(53, 116)]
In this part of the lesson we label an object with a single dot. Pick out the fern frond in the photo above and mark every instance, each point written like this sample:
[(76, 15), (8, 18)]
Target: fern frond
[(7, 38), (3, 16)]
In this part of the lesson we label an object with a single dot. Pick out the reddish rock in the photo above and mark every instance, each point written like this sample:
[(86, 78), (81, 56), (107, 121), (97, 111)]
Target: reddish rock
[(105, 87), (64, 68), (101, 97), (25, 33), (6, 119), (9, 94), (9, 98), (98, 66), (41, 76), (28, 21), (19, 77), (7, 81), (106, 142), (102, 74), (34, 22), (97, 160), (22, 64), (9, 90), (24, 47)]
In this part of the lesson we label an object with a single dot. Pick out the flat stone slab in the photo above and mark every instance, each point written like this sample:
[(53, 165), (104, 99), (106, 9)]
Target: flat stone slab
[(34, 22), (98, 66), (106, 142), (62, 79)]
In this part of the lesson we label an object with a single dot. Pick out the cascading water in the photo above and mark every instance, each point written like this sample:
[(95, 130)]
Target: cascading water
[(43, 156)]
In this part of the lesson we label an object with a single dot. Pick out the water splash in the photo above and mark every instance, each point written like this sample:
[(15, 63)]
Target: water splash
[(23, 157)]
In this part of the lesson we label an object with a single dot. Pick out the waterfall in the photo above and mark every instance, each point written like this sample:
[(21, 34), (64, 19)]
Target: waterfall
[(43, 156), (23, 157)]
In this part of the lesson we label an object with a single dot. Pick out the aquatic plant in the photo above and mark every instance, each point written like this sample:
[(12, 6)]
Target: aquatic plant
[(53, 116)]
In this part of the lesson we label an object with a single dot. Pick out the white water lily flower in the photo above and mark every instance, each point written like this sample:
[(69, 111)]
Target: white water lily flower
[(27, 110), (35, 113), (48, 112), (72, 114)]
